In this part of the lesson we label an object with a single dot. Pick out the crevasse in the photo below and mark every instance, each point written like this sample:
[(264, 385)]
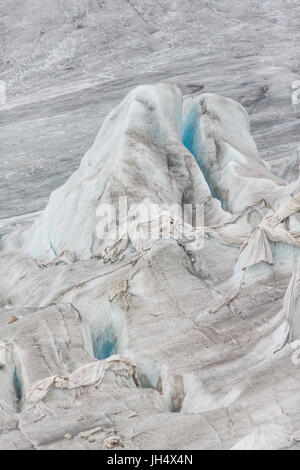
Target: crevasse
[(191, 139), (105, 345), (17, 385)]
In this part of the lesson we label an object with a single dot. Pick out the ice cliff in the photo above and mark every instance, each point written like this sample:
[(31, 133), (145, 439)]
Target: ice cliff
[(179, 341)]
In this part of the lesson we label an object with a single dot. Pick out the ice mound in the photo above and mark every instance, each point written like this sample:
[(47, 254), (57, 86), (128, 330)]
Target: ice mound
[(147, 151), (138, 153)]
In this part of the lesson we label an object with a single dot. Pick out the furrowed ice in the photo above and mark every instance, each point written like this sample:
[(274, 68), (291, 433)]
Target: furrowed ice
[(146, 329)]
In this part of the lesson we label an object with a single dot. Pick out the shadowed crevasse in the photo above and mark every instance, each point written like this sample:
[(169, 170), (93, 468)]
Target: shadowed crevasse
[(191, 139), (105, 345), (17, 385)]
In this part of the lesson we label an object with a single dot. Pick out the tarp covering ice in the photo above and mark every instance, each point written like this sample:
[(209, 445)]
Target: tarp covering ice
[(87, 375)]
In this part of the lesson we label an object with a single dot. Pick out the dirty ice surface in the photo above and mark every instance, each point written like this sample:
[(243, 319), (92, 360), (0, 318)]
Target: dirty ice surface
[(188, 342)]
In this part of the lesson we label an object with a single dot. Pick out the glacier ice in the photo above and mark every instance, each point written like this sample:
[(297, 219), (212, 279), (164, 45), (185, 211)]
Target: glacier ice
[(209, 380)]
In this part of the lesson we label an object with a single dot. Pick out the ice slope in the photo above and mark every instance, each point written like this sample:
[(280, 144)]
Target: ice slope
[(139, 154), (206, 378)]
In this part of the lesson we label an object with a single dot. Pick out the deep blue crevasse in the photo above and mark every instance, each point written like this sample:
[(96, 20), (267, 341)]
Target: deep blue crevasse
[(17, 385), (190, 127), (105, 345)]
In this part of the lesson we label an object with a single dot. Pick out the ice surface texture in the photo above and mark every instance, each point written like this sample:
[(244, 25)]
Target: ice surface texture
[(206, 380)]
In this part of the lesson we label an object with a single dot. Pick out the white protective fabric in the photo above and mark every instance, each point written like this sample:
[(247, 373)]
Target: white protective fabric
[(87, 375), (272, 228), (256, 247), (291, 305)]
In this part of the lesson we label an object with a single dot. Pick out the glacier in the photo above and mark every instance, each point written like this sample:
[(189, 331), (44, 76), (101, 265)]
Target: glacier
[(185, 341)]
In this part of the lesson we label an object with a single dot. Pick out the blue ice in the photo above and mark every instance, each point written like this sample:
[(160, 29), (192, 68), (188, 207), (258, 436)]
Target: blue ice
[(105, 345)]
